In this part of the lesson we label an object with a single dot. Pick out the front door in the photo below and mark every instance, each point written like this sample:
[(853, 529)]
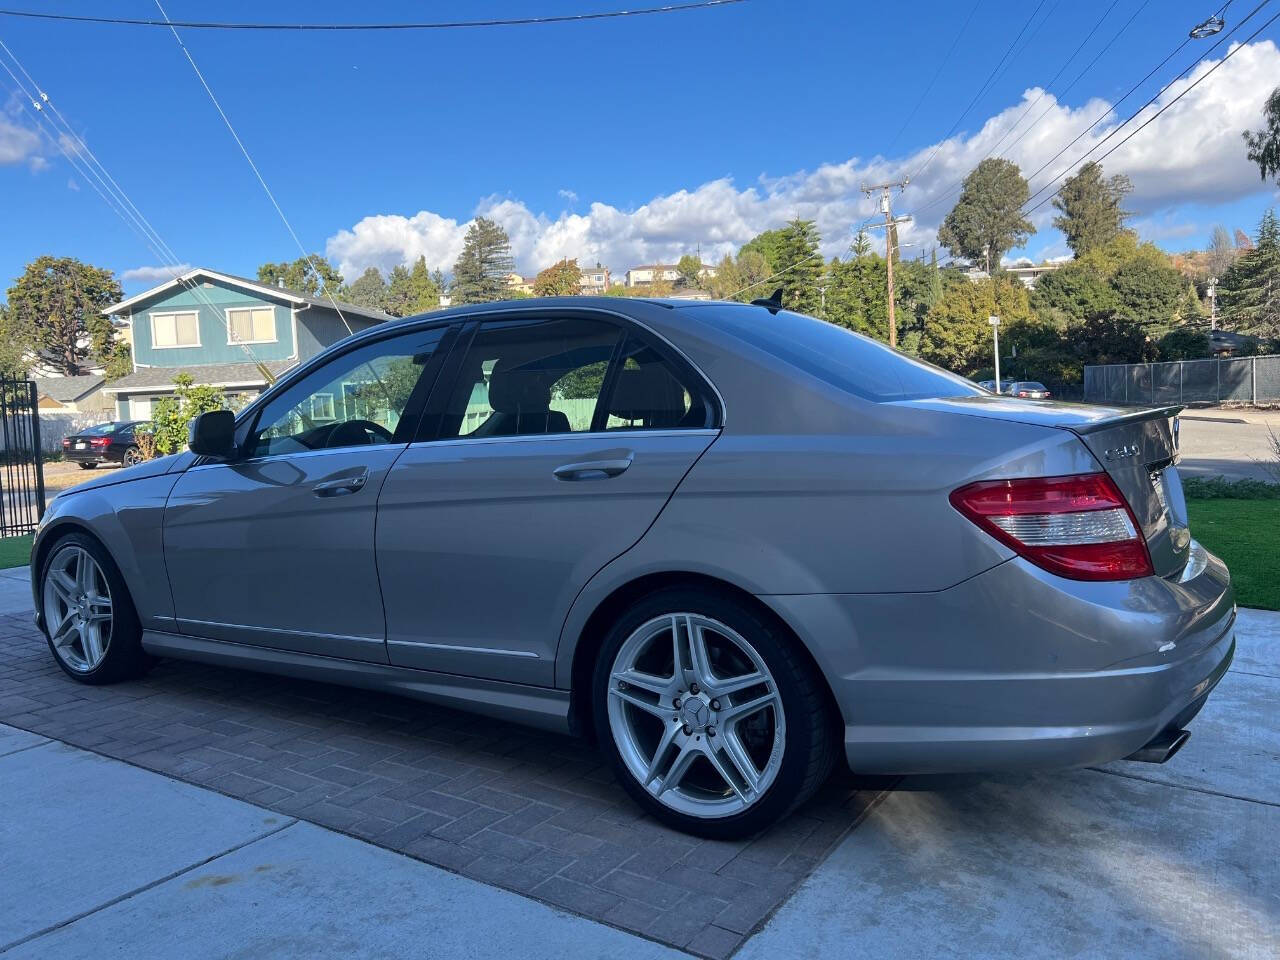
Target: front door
[(554, 449), (276, 547)]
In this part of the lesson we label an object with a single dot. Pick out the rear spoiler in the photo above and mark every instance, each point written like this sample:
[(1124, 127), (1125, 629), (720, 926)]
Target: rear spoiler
[(1137, 416)]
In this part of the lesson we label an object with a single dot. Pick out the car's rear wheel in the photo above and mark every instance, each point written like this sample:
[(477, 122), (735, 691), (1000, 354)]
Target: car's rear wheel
[(713, 720), (131, 456), (88, 616)]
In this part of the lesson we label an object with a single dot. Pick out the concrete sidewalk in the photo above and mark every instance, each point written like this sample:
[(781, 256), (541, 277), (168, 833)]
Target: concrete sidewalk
[(103, 858)]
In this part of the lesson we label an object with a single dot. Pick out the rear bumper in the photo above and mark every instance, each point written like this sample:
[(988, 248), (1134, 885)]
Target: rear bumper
[(89, 456), (1017, 668)]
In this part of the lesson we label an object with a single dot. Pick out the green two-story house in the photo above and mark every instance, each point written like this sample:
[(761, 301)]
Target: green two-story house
[(226, 332)]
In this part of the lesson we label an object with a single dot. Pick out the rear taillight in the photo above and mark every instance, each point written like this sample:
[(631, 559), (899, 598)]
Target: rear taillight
[(1078, 527), (66, 443), (100, 442)]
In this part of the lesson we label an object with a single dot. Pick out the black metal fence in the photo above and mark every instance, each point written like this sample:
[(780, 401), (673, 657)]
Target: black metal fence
[(1241, 380), (21, 463)]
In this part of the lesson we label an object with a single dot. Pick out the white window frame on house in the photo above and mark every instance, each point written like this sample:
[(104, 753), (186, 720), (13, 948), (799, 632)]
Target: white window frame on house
[(167, 314), (333, 411), (275, 334)]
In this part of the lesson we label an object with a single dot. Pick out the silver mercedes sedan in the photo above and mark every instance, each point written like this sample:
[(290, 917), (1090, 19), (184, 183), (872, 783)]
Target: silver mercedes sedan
[(727, 541)]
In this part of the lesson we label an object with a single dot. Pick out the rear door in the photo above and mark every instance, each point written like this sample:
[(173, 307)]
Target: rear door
[(548, 449)]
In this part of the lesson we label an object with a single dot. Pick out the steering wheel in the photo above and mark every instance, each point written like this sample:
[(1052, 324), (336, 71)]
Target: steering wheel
[(354, 433)]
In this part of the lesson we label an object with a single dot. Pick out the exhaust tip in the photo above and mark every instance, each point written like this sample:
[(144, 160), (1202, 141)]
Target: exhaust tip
[(1162, 747)]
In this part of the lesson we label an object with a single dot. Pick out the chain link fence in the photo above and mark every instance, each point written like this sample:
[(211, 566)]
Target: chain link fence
[(1241, 380)]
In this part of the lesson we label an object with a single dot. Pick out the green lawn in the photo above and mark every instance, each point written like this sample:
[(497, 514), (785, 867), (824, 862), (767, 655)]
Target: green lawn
[(1246, 534), (15, 552)]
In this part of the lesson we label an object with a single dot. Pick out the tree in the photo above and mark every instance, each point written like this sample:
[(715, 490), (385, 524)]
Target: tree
[(1149, 290), (740, 278), (1111, 336), (857, 295), (171, 417), (121, 362), (369, 290), (303, 275), (1222, 252), (561, 279), (690, 270), (56, 312), (413, 291), (13, 349), (1184, 343), (1264, 144), (957, 335), (480, 273), (1073, 291), (800, 267), (1089, 205), (987, 219), (768, 245), (1250, 292)]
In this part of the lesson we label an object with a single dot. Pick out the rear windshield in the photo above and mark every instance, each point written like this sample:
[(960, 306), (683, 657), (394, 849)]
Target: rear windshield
[(104, 429), (840, 357), (1031, 385)]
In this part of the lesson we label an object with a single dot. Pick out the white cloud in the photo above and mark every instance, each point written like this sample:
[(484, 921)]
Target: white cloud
[(72, 184), (568, 196), (1192, 154), (18, 144), (153, 275)]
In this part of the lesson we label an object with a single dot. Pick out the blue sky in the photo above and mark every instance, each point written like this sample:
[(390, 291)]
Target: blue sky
[(627, 140)]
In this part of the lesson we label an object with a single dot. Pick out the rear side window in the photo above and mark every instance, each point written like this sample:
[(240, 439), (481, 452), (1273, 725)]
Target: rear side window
[(537, 376), (839, 357), (648, 393)]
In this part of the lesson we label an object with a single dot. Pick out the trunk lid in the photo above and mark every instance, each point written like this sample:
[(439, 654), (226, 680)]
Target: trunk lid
[(1137, 448)]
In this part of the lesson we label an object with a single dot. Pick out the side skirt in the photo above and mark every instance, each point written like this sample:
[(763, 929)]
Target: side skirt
[(535, 706)]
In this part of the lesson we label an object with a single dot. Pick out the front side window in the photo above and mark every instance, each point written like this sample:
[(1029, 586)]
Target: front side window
[(526, 377), (251, 325), (175, 329), (357, 399)]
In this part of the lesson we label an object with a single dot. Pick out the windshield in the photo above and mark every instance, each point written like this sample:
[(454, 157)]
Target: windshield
[(105, 429), (839, 357), (1031, 385)]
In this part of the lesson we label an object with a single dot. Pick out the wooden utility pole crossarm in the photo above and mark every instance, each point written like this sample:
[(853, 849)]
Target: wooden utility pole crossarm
[(890, 221)]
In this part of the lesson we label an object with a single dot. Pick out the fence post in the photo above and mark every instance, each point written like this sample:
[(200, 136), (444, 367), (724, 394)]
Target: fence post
[(38, 457), (1180, 396), (1253, 379), (1217, 368)]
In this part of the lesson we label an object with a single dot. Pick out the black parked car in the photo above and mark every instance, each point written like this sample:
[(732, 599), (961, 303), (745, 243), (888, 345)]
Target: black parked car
[(114, 442)]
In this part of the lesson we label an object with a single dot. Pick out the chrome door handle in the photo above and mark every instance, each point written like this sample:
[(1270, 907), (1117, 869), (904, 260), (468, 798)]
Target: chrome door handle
[(341, 486), (592, 469)]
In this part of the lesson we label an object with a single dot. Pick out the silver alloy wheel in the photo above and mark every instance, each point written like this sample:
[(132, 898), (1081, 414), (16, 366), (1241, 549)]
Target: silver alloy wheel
[(696, 715), (77, 608), (132, 456)]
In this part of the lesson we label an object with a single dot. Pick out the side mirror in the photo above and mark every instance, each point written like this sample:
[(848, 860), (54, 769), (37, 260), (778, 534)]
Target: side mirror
[(213, 434)]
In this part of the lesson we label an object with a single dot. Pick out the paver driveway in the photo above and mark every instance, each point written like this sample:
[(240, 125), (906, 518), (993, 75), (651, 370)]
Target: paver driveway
[(528, 811)]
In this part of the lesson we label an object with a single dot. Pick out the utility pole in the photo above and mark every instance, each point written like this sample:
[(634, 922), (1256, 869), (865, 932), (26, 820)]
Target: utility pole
[(890, 222), (1213, 303), (995, 347)]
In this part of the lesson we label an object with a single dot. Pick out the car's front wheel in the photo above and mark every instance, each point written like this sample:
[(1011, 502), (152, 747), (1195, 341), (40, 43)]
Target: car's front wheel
[(714, 721), (88, 616)]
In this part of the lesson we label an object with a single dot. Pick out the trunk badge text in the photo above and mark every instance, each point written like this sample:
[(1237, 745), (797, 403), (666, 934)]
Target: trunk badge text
[(1121, 453)]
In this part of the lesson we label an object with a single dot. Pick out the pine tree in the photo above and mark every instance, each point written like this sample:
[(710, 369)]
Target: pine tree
[(1089, 205), (369, 290), (987, 219), (1250, 292), (480, 273), (800, 266)]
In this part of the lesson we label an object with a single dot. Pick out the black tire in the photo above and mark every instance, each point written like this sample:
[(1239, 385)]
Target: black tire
[(131, 452), (124, 658), (87, 466), (810, 742)]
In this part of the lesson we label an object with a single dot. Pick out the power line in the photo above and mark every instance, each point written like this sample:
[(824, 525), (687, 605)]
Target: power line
[(436, 25), (981, 90), (1231, 53), (1152, 100), (85, 163), (324, 287), (955, 188), (938, 72)]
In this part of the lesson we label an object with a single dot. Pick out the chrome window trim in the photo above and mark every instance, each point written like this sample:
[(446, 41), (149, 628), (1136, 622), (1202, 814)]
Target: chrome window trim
[(356, 341), (298, 453), (597, 434)]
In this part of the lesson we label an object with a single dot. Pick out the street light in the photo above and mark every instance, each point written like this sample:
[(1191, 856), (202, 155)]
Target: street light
[(995, 338)]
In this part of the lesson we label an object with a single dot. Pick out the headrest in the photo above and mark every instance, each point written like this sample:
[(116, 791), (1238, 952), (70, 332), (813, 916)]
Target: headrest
[(648, 394), (514, 390)]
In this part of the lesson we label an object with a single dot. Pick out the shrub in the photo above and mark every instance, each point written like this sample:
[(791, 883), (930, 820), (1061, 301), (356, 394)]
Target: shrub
[(171, 416), (1220, 488)]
